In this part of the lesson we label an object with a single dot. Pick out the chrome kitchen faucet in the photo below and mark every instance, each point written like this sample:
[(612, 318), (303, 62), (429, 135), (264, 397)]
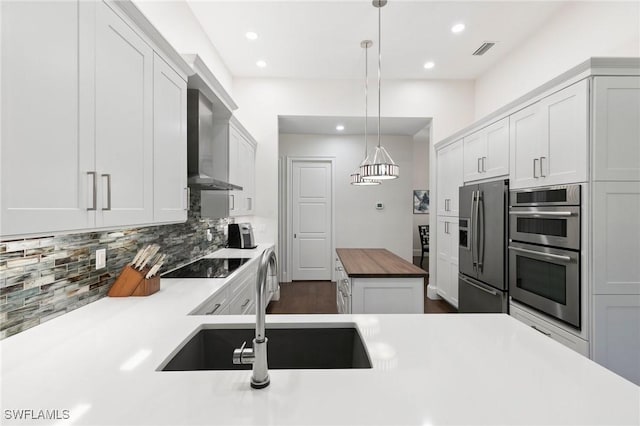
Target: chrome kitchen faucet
[(258, 354)]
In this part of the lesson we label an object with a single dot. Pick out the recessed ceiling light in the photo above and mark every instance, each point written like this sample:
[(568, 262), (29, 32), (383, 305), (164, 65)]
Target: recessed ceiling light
[(457, 28), (250, 35), (339, 127), (429, 65), (261, 64)]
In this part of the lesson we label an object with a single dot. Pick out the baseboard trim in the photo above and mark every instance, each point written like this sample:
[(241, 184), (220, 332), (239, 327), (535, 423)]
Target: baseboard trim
[(432, 293)]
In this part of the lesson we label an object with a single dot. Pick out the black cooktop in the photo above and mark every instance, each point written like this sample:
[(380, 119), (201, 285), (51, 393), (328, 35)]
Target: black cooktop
[(208, 268)]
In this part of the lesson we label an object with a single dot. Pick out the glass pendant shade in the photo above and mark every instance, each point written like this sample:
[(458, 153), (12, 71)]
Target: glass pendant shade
[(382, 167), (357, 179)]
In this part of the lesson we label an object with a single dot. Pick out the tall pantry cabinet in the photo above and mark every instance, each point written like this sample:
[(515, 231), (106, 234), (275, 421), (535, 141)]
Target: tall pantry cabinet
[(93, 119)]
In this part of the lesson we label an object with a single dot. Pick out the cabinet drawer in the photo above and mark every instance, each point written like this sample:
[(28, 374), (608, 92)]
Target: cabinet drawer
[(550, 330), (242, 302), (215, 305)]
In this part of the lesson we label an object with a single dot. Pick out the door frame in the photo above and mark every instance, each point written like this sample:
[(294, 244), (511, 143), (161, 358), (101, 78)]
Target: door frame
[(288, 255)]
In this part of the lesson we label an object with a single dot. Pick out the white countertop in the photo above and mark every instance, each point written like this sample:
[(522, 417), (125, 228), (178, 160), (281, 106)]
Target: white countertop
[(100, 363)]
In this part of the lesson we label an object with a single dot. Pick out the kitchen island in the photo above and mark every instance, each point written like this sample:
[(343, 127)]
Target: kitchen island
[(100, 362), (376, 281)]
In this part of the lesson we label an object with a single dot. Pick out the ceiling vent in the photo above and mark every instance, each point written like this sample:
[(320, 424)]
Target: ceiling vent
[(483, 49)]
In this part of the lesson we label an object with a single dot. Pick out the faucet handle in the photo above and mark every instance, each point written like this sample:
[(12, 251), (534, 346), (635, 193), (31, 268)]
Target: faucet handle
[(243, 355)]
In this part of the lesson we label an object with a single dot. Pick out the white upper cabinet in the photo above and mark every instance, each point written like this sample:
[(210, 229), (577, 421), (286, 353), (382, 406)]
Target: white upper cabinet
[(78, 103), (549, 139), (123, 122), (242, 153), (486, 152), (616, 128), (45, 186), (449, 170), (170, 193)]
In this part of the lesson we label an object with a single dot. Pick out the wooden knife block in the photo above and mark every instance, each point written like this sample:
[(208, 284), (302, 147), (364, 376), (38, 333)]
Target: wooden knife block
[(132, 282)]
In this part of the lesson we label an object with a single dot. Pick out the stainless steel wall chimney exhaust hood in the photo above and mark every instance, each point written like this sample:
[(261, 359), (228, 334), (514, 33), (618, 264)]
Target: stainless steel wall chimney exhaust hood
[(207, 152), (209, 109)]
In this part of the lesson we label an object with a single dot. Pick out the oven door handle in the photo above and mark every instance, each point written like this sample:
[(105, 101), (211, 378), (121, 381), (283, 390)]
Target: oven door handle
[(537, 213), (539, 253)]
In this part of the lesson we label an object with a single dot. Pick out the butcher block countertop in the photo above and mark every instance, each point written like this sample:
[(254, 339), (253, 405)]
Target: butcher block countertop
[(376, 263)]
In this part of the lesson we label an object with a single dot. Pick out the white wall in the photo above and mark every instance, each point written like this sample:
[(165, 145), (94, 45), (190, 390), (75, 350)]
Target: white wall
[(577, 32), (449, 102), (420, 181), (176, 22), (357, 222)]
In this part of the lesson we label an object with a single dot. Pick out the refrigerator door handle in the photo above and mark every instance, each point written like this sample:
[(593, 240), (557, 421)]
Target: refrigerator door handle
[(486, 290), (480, 230), (476, 230), (473, 230)]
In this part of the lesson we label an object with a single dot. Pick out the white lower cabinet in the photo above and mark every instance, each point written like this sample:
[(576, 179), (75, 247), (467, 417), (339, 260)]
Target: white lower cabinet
[(616, 334), (387, 295), (550, 330), (447, 259)]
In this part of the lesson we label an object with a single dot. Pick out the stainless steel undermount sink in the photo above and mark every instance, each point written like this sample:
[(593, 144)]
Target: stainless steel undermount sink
[(290, 346)]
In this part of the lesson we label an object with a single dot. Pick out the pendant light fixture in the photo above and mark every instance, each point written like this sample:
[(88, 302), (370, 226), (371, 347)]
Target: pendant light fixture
[(382, 165), (356, 179)]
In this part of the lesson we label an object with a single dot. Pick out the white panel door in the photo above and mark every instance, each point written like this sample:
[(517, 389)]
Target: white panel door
[(496, 162), (311, 208), (44, 181), (124, 122), (616, 128), (616, 334), (443, 279), (525, 134), (170, 198), (616, 238), (474, 149), (565, 121)]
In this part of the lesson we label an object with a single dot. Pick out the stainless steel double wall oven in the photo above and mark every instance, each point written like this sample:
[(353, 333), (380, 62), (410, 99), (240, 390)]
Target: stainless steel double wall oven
[(544, 250)]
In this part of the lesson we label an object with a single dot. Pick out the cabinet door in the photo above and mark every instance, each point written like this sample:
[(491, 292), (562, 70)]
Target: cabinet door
[(235, 172), (474, 150), (616, 334), (616, 128), (44, 162), (251, 179), (443, 281), (245, 158), (565, 121), (169, 144), (455, 180), (452, 234), (441, 182), (616, 238), (496, 160), (525, 133), (123, 122)]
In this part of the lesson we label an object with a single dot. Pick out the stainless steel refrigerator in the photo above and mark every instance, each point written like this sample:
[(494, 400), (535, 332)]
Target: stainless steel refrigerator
[(482, 279)]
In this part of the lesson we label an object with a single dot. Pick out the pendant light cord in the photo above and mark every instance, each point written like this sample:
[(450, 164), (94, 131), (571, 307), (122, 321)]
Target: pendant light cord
[(379, 67), (366, 99)]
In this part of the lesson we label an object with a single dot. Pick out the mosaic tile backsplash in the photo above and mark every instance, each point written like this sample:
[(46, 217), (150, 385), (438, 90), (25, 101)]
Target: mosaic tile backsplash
[(42, 278)]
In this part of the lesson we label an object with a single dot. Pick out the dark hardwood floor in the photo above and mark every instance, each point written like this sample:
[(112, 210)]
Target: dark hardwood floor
[(319, 297)]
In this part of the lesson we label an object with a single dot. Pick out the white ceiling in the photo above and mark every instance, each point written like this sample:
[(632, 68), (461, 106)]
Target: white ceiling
[(317, 125), (321, 39)]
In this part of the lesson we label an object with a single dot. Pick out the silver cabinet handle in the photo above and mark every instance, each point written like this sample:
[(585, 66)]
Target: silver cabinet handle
[(541, 172), (534, 167), (479, 160), (232, 198), (108, 176), (249, 203), (540, 331), (94, 199), (215, 308), (484, 159), (539, 253), (246, 302), (187, 194)]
